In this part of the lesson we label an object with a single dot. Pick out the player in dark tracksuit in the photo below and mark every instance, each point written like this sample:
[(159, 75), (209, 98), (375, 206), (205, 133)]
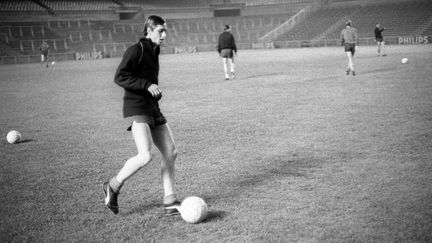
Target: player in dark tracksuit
[(380, 40), (137, 74), (227, 48), (349, 38)]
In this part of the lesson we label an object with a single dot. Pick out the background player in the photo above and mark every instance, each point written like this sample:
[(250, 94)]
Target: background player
[(380, 40), (349, 38), (138, 73), (226, 48), (44, 48)]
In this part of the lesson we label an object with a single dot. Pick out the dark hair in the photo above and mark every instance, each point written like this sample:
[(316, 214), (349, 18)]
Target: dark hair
[(348, 22), (227, 27), (152, 21)]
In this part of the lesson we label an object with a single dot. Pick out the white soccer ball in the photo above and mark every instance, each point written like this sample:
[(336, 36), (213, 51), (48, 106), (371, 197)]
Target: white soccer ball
[(53, 63), (193, 209), (404, 60), (13, 136)]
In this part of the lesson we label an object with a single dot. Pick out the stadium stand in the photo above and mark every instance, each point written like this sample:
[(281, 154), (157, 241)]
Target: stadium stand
[(25, 37), (149, 4), (77, 26), (426, 28), (402, 18), (79, 5), (19, 6), (317, 21)]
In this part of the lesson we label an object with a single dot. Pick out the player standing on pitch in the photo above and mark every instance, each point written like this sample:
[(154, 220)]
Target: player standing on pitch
[(226, 48), (44, 48), (380, 40), (350, 41), (138, 73)]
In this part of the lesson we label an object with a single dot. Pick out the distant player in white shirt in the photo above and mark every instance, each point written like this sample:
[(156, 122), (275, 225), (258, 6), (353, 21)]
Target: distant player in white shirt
[(350, 41)]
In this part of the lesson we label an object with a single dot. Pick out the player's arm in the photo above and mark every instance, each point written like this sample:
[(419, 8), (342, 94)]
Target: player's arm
[(219, 45), (356, 39), (234, 47), (124, 76), (155, 91)]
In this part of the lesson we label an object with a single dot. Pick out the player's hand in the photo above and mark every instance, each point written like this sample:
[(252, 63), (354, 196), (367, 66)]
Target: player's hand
[(155, 91)]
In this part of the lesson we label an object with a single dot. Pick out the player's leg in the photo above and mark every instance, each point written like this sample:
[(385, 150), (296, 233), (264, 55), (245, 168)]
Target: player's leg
[(225, 66), (349, 56), (143, 141), (378, 48), (347, 50), (232, 66), (350, 61), (383, 48), (142, 136), (163, 140), (46, 59), (42, 59)]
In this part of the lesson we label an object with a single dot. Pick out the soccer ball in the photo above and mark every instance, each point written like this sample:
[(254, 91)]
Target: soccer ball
[(193, 209), (13, 136), (52, 63), (404, 60)]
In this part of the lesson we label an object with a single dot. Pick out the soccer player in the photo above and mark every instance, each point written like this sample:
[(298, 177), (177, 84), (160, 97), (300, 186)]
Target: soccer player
[(226, 48), (44, 48), (350, 41), (380, 40), (137, 73)]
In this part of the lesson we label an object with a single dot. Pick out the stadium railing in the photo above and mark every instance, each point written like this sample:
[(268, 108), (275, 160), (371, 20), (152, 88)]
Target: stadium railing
[(109, 50), (22, 59), (286, 26)]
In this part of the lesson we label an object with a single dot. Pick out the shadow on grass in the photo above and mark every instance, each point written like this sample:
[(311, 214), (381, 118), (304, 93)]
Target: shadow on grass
[(215, 216), (143, 208), (264, 75), (380, 70), (322, 78), (27, 141), (265, 172)]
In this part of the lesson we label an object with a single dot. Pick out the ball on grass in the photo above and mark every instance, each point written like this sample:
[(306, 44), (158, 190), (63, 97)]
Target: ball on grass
[(193, 209), (13, 136), (404, 60)]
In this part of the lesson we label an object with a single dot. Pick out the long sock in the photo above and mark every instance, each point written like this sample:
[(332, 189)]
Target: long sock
[(115, 185), (232, 65), (170, 199), (225, 66)]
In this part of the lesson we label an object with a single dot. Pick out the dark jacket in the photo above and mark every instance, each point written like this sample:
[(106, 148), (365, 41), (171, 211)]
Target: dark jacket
[(138, 69), (226, 41), (378, 33)]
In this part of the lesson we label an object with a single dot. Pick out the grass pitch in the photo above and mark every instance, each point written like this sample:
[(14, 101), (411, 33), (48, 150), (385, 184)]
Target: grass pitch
[(292, 150)]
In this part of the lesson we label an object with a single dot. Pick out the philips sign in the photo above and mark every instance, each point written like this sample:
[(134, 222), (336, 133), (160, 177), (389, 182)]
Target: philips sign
[(413, 40)]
